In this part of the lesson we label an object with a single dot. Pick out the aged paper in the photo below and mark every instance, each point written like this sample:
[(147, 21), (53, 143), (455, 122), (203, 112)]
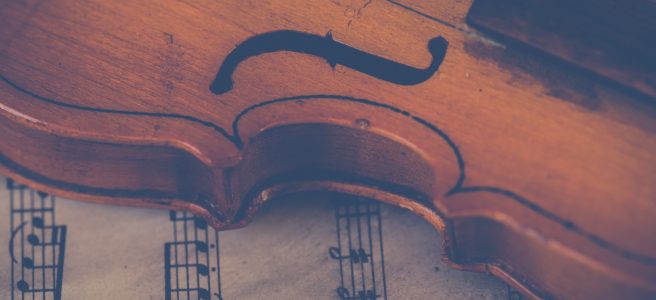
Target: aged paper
[(115, 252)]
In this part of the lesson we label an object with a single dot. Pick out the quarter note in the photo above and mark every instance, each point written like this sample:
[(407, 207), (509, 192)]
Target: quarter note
[(40, 246), (356, 256), (359, 234), (201, 268), (29, 263), (203, 293), (187, 262), (200, 245), (34, 240), (24, 287)]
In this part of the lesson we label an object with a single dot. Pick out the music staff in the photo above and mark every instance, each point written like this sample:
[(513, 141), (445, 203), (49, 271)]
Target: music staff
[(190, 271), (359, 235), (38, 242), (356, 256), (344, 294)]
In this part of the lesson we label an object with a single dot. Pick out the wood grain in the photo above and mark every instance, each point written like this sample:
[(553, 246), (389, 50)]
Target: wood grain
[(531, 169), (613, 39)]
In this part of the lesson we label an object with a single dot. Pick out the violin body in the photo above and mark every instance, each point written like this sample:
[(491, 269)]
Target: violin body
[(533, 171)]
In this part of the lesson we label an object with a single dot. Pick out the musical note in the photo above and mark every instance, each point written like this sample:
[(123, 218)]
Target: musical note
[(202, 269), (24, 287), (188, 266), (356, 256), (356, 223), (200, 246), (344, 294), (34, 240), (39, 244), (29, 263)]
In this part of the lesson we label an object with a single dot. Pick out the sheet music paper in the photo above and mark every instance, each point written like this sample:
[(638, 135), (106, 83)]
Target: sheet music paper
[(359, 250), (36, 247), (191, 259), (292, 250)]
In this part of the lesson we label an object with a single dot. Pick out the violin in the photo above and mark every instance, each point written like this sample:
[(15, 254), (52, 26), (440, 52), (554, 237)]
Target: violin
[(530, 148)]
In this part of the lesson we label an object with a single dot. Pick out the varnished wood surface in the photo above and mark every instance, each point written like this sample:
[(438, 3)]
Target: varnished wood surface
[(531, 170), (611, 38)]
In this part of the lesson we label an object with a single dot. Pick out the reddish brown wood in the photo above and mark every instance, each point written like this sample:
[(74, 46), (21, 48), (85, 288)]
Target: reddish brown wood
[(531, 170)]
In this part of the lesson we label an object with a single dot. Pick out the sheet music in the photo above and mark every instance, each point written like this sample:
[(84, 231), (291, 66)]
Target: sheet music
[(296, 248), (36, 244), (359, 250), (191, 260)]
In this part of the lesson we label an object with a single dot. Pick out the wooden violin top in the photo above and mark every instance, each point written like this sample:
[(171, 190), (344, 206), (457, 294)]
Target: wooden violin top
[(531, 168)]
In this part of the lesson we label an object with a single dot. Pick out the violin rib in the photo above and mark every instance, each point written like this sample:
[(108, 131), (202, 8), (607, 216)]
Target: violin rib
[(531, 169)]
